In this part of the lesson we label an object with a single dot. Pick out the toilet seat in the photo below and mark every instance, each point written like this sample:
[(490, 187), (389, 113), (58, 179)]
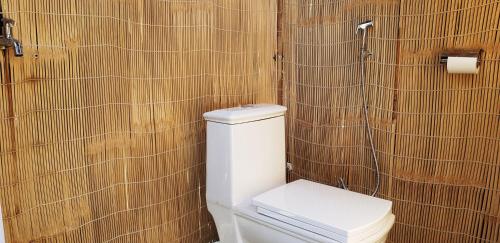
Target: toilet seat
[(248, 211), (337, 214)]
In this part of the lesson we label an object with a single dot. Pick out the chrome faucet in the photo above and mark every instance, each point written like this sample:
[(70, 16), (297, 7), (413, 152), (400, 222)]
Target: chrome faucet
[(6, 39), (363, 27)]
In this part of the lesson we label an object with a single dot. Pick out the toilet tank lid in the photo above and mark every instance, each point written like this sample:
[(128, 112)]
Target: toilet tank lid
[(246, 113)]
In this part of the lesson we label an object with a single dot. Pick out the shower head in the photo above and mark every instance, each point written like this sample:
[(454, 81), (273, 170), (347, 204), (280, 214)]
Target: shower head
[(364, 26)]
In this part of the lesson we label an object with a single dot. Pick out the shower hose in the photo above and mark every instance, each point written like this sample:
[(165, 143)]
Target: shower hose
[(364, 55)]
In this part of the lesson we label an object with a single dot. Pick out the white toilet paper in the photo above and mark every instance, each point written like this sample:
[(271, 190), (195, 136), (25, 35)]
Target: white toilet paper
[(462, 65)]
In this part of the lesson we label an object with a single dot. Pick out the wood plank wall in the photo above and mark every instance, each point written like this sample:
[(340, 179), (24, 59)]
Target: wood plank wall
[(437, 135), (101, 130)]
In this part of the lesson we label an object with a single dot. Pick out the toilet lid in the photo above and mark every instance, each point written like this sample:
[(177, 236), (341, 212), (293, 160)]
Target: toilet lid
[(332, 212)]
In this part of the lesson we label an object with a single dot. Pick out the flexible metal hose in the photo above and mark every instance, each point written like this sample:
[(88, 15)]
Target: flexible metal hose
[(364, 54)]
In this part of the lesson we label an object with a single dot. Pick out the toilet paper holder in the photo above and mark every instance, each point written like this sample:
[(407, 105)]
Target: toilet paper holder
[(443, 57)]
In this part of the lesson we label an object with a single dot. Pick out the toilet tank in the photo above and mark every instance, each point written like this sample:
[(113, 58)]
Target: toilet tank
[(245, 152)]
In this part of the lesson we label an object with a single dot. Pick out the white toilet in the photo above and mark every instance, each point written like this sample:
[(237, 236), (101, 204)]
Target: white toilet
[(250, 201)]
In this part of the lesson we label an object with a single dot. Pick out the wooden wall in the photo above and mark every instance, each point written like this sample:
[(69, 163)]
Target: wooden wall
[(437, 135), (101, 130)]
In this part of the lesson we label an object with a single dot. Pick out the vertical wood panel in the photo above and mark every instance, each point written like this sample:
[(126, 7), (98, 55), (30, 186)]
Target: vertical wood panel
[(436, 134), (106, 112)]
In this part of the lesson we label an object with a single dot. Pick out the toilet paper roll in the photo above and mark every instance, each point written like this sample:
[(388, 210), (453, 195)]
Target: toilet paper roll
[(462, 65)]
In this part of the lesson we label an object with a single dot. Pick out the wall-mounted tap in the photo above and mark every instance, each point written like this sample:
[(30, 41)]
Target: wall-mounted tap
[(6, 39)]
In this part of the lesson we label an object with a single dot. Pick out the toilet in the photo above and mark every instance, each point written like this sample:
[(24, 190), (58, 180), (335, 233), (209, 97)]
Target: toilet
[(250, 201)]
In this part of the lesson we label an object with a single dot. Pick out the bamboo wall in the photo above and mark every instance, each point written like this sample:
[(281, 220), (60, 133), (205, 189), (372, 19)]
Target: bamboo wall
[(437, 135), (101, 130)]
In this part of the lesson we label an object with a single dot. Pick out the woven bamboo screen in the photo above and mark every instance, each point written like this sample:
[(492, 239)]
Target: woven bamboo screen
[(437, 135), (101, 130)]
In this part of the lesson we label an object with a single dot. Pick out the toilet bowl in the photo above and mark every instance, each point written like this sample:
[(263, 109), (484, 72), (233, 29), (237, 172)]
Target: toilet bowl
[(249, 199)]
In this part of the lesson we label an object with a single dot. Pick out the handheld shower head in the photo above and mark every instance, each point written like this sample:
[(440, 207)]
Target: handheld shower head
[(364, 26)]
